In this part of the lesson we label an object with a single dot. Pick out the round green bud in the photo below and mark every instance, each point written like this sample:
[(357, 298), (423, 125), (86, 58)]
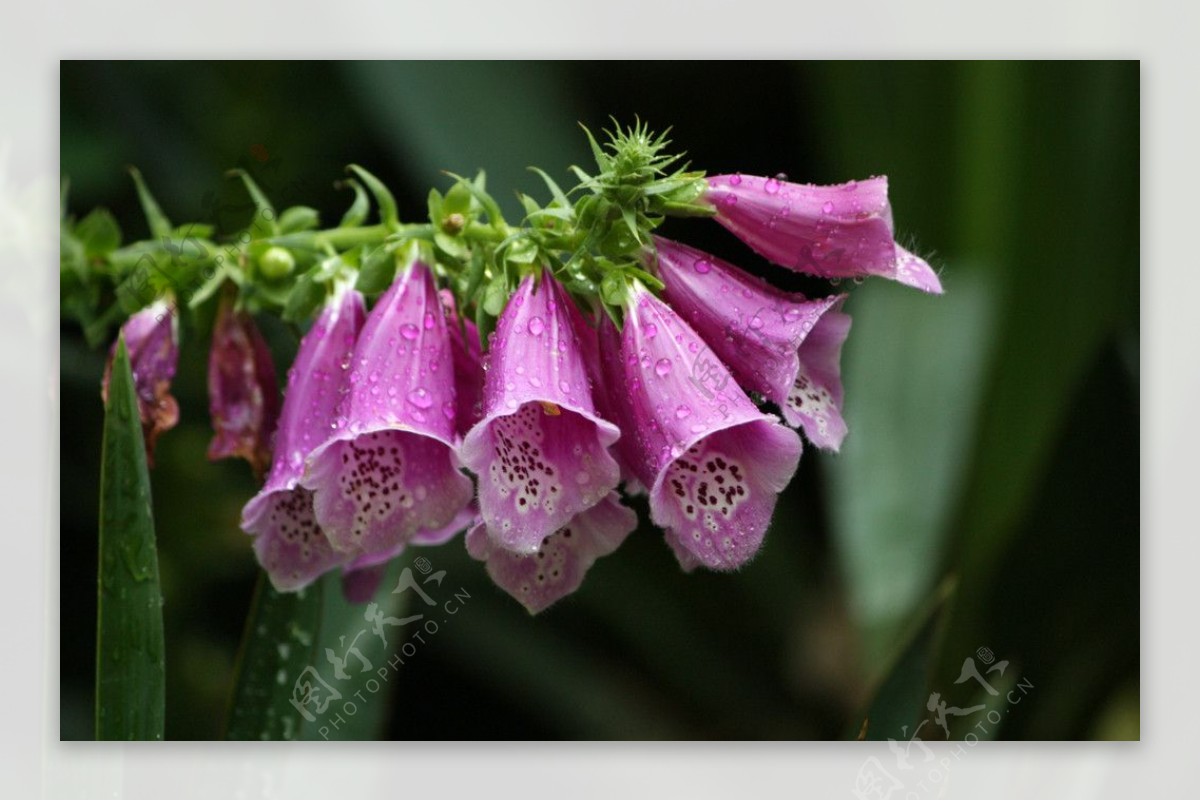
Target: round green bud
[(276, 262)]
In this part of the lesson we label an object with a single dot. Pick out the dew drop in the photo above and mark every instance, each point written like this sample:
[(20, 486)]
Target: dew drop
[(419, 397), (536, 326), (651, 330), (409, 331), (703, 266), (827, 208), (683, 411), (771, 187), (735, 180), (428, 320), (662, 367)]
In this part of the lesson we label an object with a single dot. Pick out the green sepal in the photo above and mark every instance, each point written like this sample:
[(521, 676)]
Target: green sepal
[(357, 213), (98, 233), (388, 213), (265, 222), (160, 226), (299, 218), (378, 271), (306, 295)]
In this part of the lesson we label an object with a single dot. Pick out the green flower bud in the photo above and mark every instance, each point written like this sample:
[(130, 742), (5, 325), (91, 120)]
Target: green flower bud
[(276, 262)]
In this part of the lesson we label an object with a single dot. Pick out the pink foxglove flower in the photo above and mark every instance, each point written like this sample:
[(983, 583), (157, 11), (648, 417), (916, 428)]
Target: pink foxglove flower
[(842, 231), (557, 567), (541, 450), (390, 470), (152, 339), (714, 464), (290, 545), (362, 575), (780, 345), (243, 396)]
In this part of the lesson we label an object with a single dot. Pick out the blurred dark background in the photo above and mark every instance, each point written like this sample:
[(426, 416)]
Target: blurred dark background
[(986, 502)]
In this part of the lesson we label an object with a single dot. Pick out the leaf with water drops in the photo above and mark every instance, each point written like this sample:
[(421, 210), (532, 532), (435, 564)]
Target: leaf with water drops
[(275, 663), (129, 632)]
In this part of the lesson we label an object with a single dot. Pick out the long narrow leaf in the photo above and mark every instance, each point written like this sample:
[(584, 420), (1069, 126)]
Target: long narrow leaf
[(130, 695), (278, 648)]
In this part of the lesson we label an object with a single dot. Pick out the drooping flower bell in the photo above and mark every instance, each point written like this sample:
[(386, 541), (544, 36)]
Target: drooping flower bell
[(562, 558), (541, 450), (362, 574), (243, 395), (390, 470), (780, 345), (152, 339), (288, 541), (842, 231), (714, 464)]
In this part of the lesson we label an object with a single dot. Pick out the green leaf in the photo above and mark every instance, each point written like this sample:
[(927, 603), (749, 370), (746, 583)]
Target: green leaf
[(293, 643), (345, 625), (476, 188), (130, 686), (265, 222), (603, 160), (99, 233), (277, 656), (357, 213), (299, 218), (915, 365), (433, 203), (378, 271), (557, 193), (897, 703), (388, 213), (495, 295), (304, 298), (211, 285), (160, 226), (612, 288), (451, 245)]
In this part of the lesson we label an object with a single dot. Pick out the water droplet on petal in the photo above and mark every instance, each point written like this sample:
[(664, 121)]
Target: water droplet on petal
[(735, 180), (683, 411), (703, 266), (419, 397), (409, 331), (428, 320), (771, 187), (651, 330), (536, 326), (827, 208), (662, 367)]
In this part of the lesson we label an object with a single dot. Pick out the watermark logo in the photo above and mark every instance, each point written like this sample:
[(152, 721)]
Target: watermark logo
[(918, 771), (317, 699)]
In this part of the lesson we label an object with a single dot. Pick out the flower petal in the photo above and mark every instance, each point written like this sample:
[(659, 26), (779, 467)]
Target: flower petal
[(557, 567), (841, 231), (814, 400), (468, 366), (151, 337), (361, 576), (390, 471), (541, 451), (713, 462), (289, 544), (771, 340)]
